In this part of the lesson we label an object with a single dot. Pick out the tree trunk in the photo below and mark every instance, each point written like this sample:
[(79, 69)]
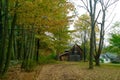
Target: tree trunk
[(15, 47), (91, 50), (37, 51), (84, 45), (92, 13), (92, 16), (97, 61), (1, 30), (25, 48), (10, 45), (21, 45), (101, 40), (4, 38), (28, 60), (1, 26)]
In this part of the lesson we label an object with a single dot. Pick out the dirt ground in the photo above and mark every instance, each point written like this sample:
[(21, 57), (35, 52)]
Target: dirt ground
[(67, 71), (76, 71)]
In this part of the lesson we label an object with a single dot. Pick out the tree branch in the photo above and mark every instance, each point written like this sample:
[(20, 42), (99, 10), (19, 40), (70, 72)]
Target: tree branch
[(86, 5)]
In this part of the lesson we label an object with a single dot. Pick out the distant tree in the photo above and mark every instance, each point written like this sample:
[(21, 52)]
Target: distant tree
[(114, 39), (82, 25), (115, 43)]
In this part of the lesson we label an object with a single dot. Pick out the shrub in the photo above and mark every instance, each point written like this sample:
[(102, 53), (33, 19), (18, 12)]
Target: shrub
[(47, 59)]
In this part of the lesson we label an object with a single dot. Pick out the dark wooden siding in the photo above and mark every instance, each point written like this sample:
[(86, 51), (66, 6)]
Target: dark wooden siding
[(74, 54)]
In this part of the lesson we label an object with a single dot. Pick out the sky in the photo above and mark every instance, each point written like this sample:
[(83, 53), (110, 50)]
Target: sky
[(113, 15)]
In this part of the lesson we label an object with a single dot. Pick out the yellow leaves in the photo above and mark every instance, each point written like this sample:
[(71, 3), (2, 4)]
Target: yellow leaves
[(47, 14), (25, 13), (70, 6), (83, 22), (97, 29)]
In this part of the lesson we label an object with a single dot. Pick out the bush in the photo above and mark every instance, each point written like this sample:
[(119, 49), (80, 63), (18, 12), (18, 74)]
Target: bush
[(116, 60), (47, 59), (52, 56)]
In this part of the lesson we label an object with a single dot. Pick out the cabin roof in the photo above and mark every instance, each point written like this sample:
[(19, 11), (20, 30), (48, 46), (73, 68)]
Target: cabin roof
[(72, 50)]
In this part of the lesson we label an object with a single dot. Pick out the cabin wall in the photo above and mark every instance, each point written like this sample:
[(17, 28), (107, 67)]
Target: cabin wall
[(74, 58), (74, 54)]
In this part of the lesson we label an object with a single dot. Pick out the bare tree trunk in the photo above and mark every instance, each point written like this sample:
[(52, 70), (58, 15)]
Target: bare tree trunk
[(1, 26), (101, 40), (1, 29), (91, 49), (4, 38), (37, 51), (92, 16), (84, 45)]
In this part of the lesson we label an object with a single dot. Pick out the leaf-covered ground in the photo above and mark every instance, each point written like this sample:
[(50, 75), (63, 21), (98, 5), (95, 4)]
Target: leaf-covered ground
[(69, 71)]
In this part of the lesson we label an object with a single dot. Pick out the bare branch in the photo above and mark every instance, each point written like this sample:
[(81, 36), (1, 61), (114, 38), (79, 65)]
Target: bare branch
[(111, 3), (108, 2), (86, 2), (102, 4), (111, 12), (86, 21), (82, 7), (107, 28), (86, 5), (97, 16)]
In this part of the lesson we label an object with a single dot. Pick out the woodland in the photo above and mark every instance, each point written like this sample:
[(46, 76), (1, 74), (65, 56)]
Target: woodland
[(35, 32)]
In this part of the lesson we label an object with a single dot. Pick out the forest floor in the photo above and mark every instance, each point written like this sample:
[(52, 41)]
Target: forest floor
[(66, 71)]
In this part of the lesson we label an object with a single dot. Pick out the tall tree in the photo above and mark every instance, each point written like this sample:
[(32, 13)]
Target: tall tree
[(90, 6), (1, 20), (4, 44), (104, 7)]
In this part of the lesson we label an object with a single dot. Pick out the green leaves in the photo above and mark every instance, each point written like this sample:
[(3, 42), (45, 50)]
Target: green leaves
[(115, 40), (114, 46)]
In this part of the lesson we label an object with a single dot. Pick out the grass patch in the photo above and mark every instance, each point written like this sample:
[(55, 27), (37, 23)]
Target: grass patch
[(111, 65)]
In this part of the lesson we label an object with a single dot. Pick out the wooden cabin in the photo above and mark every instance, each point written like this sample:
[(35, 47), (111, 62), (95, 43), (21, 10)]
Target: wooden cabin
[(74, 54)]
